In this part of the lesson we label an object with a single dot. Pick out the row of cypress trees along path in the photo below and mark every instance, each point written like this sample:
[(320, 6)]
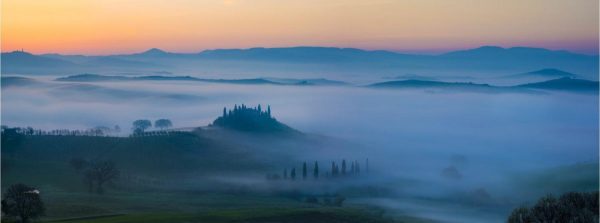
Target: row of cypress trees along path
[(345, 170)]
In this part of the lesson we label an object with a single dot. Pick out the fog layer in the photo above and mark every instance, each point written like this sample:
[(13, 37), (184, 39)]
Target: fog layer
[(454, 145)]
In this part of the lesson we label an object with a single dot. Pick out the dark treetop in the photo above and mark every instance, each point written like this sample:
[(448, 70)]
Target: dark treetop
[(255, 119)]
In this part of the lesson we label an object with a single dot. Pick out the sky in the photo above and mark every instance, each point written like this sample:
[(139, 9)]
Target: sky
[(98, 27)]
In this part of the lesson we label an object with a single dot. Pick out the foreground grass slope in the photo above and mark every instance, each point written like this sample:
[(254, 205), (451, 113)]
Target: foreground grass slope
[(317, 215), (178, 186)]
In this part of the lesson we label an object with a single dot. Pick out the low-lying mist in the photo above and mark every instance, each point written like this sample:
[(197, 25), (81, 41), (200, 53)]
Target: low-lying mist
[(443, 153)]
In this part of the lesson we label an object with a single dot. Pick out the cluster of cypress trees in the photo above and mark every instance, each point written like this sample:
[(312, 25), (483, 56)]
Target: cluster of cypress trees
[(335, 171), (244, 110), (254, 119)]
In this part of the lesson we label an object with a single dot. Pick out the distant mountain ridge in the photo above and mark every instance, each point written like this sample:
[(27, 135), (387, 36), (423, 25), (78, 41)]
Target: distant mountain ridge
[(308, 60), (22, 62)]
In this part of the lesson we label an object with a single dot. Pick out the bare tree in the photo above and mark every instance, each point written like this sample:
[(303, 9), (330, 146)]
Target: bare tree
[(99, 173), (23, 202)]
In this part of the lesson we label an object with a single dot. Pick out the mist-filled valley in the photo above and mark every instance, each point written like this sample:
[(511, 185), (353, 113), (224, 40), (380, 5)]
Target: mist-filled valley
[(262, 111), (447, 153)]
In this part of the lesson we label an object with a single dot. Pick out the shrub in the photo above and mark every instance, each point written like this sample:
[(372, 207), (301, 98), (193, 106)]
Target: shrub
[(570, 207)]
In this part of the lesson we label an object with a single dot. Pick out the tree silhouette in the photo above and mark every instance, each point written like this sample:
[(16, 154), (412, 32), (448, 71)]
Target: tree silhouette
[(100, 173), (285, 174), (570, 207), (139, 126), (343, 167), (304, 171), (163, 123), (23, 202), (316, 170), (336, 170), (250, 119), (293, 174), (333, 172)]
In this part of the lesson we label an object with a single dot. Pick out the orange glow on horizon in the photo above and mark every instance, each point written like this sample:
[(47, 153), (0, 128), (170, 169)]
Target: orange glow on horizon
[(112, 26)]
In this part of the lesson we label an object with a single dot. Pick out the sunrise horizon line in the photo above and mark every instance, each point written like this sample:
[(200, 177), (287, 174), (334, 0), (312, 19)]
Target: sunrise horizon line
[(415, 51)]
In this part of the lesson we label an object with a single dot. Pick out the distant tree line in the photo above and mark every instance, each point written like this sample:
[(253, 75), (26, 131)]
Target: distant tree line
[(96, 131), (156, 133), (335, 171), (139, 128)]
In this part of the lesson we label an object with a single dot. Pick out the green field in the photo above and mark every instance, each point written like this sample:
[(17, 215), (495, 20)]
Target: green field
[(244, 215), (171, 179)]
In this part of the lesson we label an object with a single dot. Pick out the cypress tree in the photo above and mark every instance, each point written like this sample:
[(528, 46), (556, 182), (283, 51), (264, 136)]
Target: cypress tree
[(316, 170), (343, 167), (269, 110), (332, 169), (352, 168), (304, 171), (293, 174)]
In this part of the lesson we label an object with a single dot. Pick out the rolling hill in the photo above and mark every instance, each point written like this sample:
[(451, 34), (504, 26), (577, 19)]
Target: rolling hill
[(430, 84), (544, 73), (561, 84), (565, 84), (19, 62), (15, 81)]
